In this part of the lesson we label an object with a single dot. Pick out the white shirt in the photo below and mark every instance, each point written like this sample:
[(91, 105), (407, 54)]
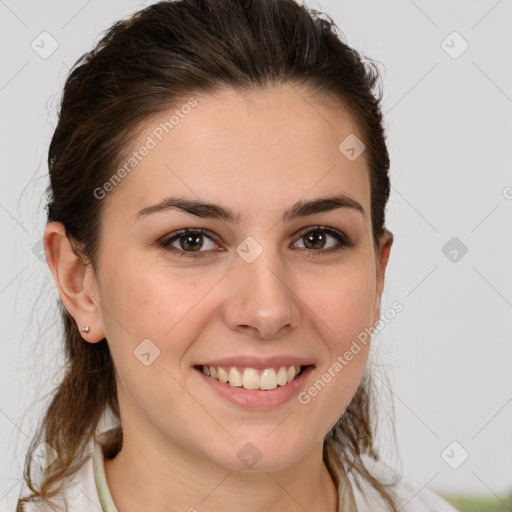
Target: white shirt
[(87, 490)]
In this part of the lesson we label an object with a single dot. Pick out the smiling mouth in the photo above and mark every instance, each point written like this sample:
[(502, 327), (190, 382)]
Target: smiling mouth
[(252, 378)]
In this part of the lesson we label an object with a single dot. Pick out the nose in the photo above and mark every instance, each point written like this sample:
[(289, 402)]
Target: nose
[(261, 299)]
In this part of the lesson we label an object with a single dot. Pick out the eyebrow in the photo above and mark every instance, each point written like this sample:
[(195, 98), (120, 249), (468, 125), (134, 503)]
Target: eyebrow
[(207, 210)]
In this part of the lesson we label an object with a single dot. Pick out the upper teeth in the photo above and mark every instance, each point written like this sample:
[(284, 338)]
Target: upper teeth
[(250, 378)]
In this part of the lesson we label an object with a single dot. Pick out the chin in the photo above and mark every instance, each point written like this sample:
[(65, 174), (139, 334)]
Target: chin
[(258, 454)]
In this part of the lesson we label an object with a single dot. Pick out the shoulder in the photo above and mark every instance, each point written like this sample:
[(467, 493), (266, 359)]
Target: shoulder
[(410, 496), (79, 493)]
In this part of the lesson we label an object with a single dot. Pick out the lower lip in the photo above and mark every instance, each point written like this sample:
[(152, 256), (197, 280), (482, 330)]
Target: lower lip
[(257, 398)]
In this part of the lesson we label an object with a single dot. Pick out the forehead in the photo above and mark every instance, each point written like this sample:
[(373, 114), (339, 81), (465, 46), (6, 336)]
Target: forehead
[(248, 149)]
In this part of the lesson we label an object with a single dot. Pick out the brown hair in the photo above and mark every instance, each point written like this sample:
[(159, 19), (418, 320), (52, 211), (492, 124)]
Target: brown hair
[(141, 67)]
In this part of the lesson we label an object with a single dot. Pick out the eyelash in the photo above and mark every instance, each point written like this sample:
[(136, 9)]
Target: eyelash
[(343, 240)]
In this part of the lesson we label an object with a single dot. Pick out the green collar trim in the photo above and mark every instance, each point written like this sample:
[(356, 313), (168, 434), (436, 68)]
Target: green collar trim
[(107, 503)]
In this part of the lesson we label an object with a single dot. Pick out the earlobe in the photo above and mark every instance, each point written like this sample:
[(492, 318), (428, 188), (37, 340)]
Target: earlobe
[(75, 282)]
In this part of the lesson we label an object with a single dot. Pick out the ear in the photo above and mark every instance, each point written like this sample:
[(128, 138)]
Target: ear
[(75, 281), (382, 262)]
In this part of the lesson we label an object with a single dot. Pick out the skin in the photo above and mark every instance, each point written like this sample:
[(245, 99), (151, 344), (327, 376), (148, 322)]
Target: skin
[(181, 440)]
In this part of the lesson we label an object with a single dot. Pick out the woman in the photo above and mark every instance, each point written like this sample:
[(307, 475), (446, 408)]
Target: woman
[(216, 231)]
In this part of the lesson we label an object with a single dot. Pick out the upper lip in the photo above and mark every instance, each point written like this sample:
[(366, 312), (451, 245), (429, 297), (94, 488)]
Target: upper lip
[(257, 362)]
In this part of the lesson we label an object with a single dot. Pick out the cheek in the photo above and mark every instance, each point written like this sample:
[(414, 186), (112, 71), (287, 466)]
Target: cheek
[(343, 314), (153, 302), (343, 305), (135, 307)]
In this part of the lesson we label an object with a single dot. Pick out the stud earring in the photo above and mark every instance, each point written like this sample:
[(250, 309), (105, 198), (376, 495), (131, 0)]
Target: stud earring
[(85, 328)]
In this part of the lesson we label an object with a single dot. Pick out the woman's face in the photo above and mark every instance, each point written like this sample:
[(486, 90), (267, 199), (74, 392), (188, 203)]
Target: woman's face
[(249, 288)]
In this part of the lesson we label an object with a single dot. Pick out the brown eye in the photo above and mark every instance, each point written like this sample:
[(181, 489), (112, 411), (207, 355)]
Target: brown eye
[(191, 242), (316, 239), (188, 241)]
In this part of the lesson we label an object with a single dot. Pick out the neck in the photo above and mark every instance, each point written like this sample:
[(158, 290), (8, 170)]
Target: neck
[(164, 476)]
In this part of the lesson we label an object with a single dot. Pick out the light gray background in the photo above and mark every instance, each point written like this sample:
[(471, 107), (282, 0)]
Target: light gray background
[(448, 354)]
